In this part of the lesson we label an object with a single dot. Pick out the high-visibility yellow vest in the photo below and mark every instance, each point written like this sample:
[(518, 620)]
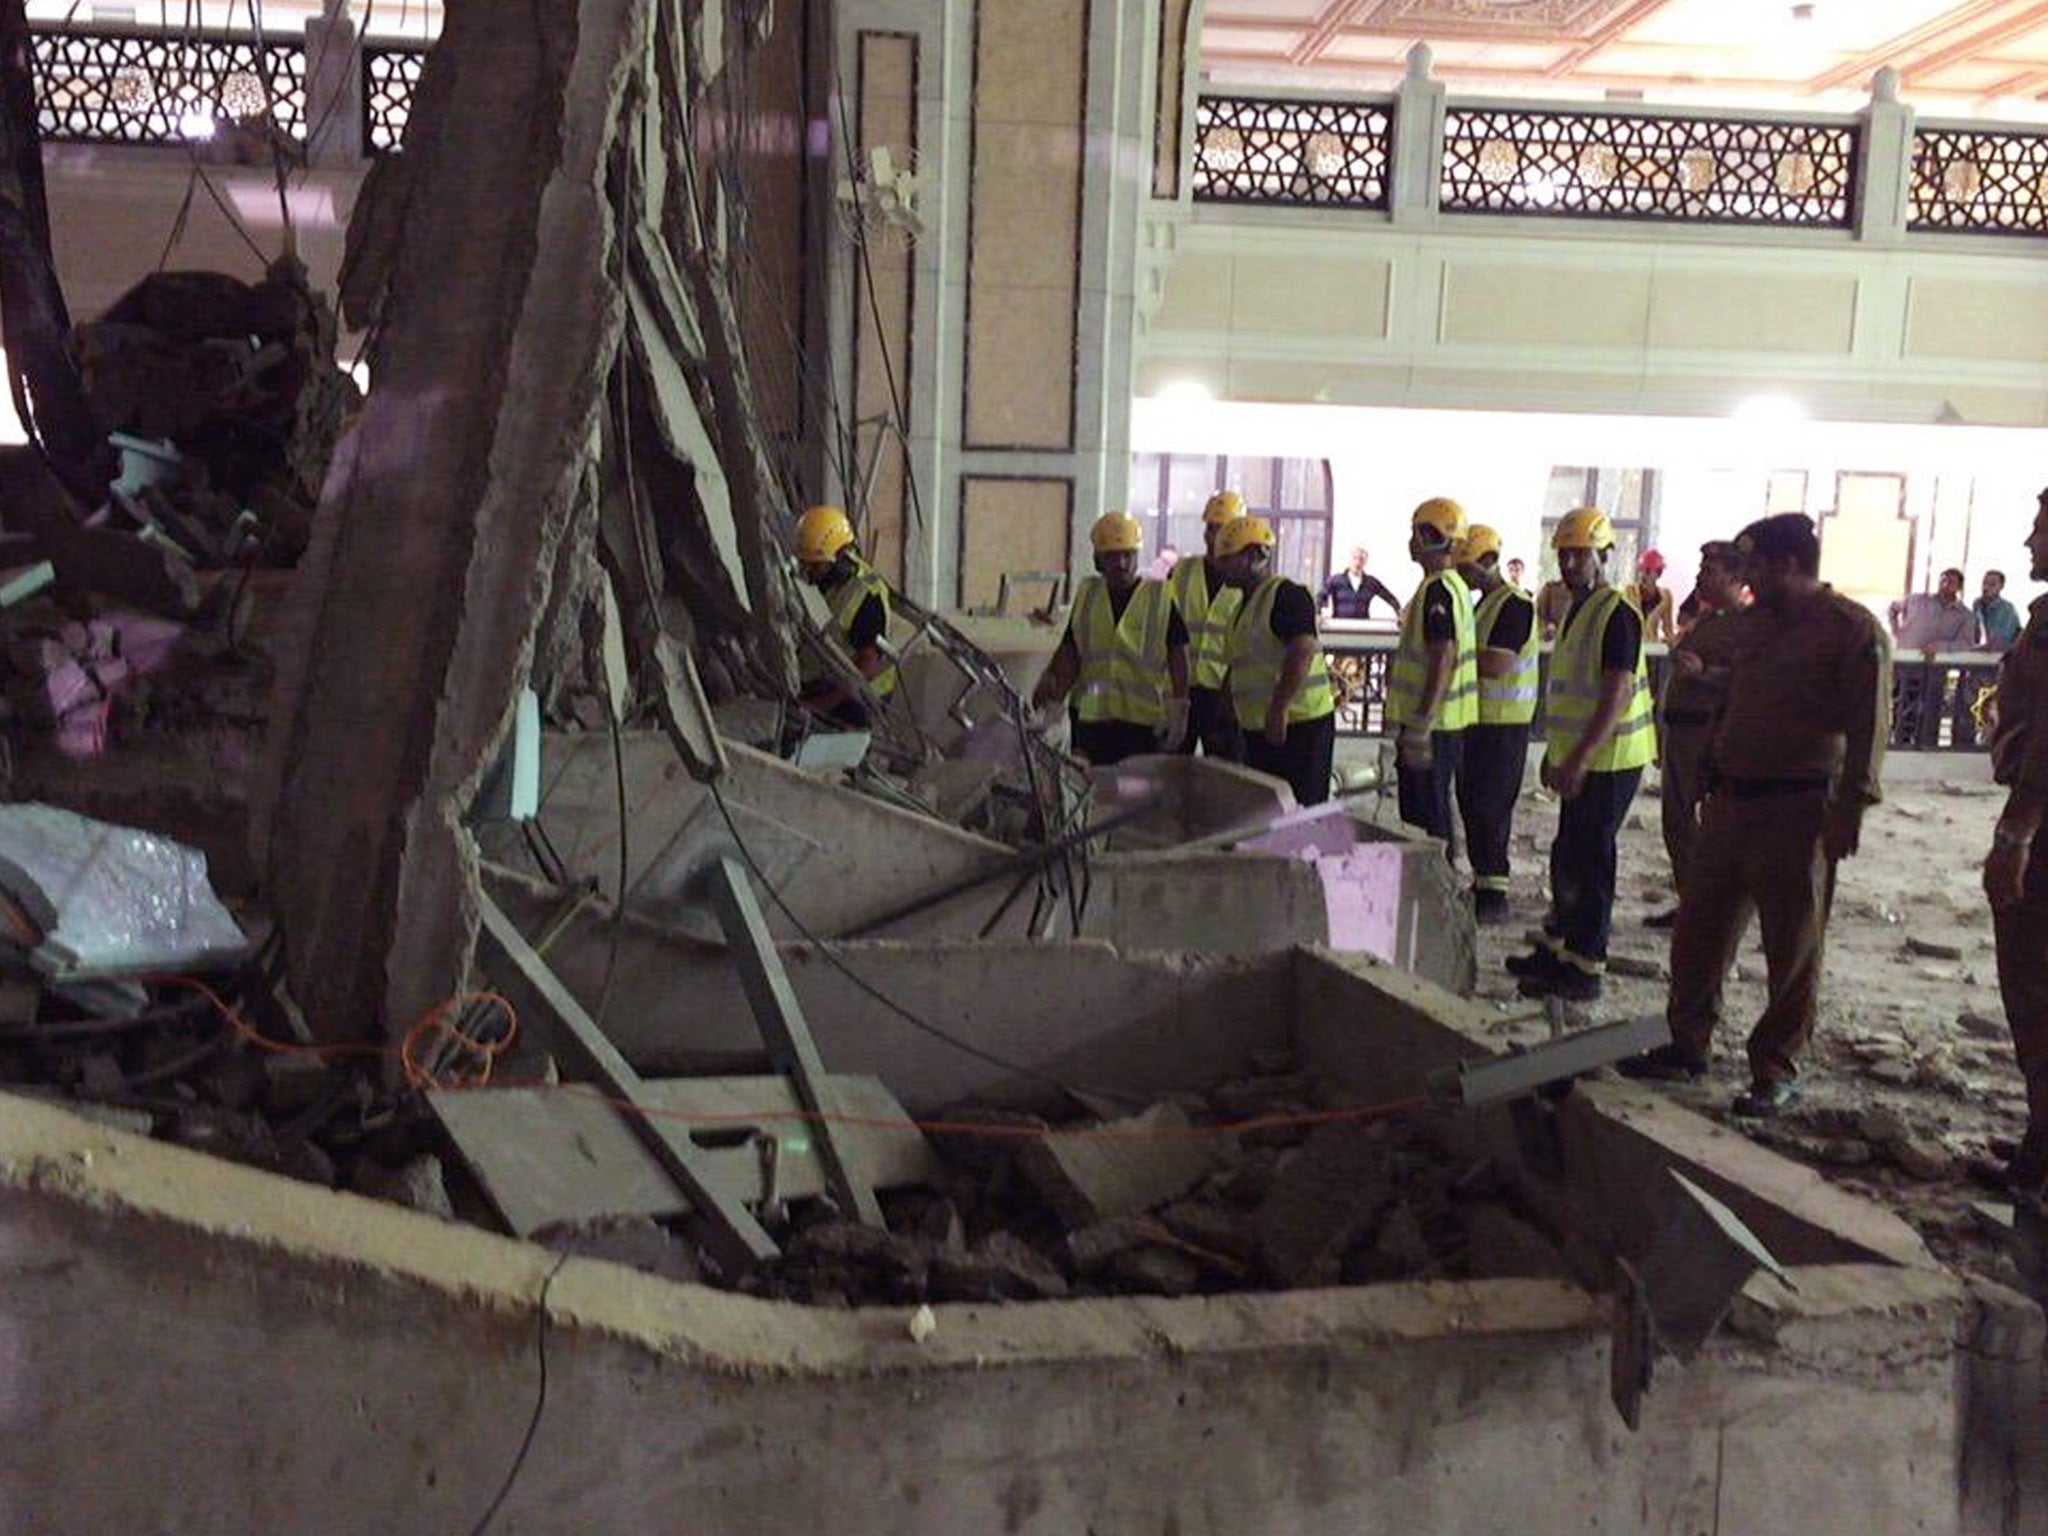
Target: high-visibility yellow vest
[(1573, 697), (1255, 658), (847, 603), (1409, 676), (1509, 700), (1208, 621), (1123, 661)]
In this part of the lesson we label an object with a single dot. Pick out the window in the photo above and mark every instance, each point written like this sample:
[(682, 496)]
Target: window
[(1169, 490), (1627, 496)]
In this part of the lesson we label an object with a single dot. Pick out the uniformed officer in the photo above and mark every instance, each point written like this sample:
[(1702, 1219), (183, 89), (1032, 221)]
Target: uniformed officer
[(1433, 688), (1496, 754), (1206, 604), (1794, 763), (1692, 697), (859, 599), (1124, 655), (2016, 871), (1278, 679), (1597, 727)]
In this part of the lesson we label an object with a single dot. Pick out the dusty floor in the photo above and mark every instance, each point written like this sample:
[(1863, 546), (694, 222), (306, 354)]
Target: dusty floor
[(1911, 1094)]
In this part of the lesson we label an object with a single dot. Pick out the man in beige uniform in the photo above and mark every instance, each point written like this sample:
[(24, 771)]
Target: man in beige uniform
[(2016, 872), (1794, 764), (1692, 700)]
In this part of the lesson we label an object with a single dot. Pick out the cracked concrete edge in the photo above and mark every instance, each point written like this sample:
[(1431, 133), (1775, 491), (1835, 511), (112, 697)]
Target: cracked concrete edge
[(289, 1232)]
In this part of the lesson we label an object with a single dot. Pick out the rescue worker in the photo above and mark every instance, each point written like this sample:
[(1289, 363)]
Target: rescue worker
[(1700, 659), (1124, 655), (2016, 870), (859, 600), (1206, 604), (1496, 753), (1433, 687), (1278, 679), (1598, 740), (1794, 764)]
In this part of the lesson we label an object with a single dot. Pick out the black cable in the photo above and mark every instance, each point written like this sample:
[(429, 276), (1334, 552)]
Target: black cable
[(540, 1403), (861, 983)]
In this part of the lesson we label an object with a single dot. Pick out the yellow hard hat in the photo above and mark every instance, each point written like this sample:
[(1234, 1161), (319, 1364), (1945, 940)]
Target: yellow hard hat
[(1583, 528), (1443, 515), (1480, 541), (821, 533), (1116, 533), (1241, 534), (1223, 507)]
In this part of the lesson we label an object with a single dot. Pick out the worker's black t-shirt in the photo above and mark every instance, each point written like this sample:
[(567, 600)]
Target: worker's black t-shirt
[(1294, 611), (870, 622), (1622, 646), (1439, 619), (1511, 626)]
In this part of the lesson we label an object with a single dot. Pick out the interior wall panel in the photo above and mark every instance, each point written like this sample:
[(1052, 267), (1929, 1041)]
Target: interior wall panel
[(884, 296), (1024, 224), (1011, 523)]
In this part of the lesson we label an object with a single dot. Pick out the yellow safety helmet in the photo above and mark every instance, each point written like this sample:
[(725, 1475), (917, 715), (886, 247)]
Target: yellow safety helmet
[(1443, 516), (1480, 541), (821, 534), (1116, 533), (1241, 534), (1583, 528), (1223, 507)]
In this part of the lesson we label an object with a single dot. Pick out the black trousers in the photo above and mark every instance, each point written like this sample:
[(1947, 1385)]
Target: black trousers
[(1582, 866), (1426, 792), (1104, 742), (1304, 761), (1212, 725), (1489, 783)]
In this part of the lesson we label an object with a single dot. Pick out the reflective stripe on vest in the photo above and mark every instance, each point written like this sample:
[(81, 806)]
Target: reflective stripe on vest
[(1509, 700), (1409, 676), (847, 603), (1573, 697), (1207, 619), (1123, 661), (1256, 656)]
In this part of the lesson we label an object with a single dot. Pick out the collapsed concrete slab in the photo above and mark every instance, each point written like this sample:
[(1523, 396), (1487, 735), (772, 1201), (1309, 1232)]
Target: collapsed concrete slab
[(848, 863), (1394, 1408)]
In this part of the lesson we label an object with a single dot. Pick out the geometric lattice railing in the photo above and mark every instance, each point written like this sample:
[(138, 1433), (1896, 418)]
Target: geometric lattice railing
[(1322, 154), (390, 76), (1614, 165), (119, 86), (1982, 181)]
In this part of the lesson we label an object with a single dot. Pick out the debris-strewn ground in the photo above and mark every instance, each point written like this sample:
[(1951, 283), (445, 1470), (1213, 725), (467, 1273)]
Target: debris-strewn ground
[(1912, 1093)]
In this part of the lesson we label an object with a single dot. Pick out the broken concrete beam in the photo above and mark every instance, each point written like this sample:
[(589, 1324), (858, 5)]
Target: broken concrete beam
[(436, 537), (1323, 1199), (1088, 1179)]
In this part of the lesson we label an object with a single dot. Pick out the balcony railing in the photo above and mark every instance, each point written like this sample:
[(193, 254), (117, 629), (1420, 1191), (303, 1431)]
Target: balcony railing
[(1983, 181), (130, 85), (1612, 165), (1538, 161), (1318, 154)]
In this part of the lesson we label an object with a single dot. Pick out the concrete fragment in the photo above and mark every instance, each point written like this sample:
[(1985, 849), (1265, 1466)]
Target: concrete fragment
[(134, 1121), (1931, 949), (1090, 1179), (420, 1185), (1983, 1026), (636, 1242), (1401, 1242), (1155, 1267), (1090, 1248), (1922, 1157), (1638, 969), (1322, 1199), (1217, 1228), (1505, 1247), (1002, 1266), (1882, 1124)]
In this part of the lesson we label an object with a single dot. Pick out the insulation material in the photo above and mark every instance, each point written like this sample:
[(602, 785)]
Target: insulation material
[(106, 900)]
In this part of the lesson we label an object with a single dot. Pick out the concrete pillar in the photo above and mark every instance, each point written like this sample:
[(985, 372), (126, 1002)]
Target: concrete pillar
[(1012, 317), (1413, 178), (1884, 176), (334, 88)]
